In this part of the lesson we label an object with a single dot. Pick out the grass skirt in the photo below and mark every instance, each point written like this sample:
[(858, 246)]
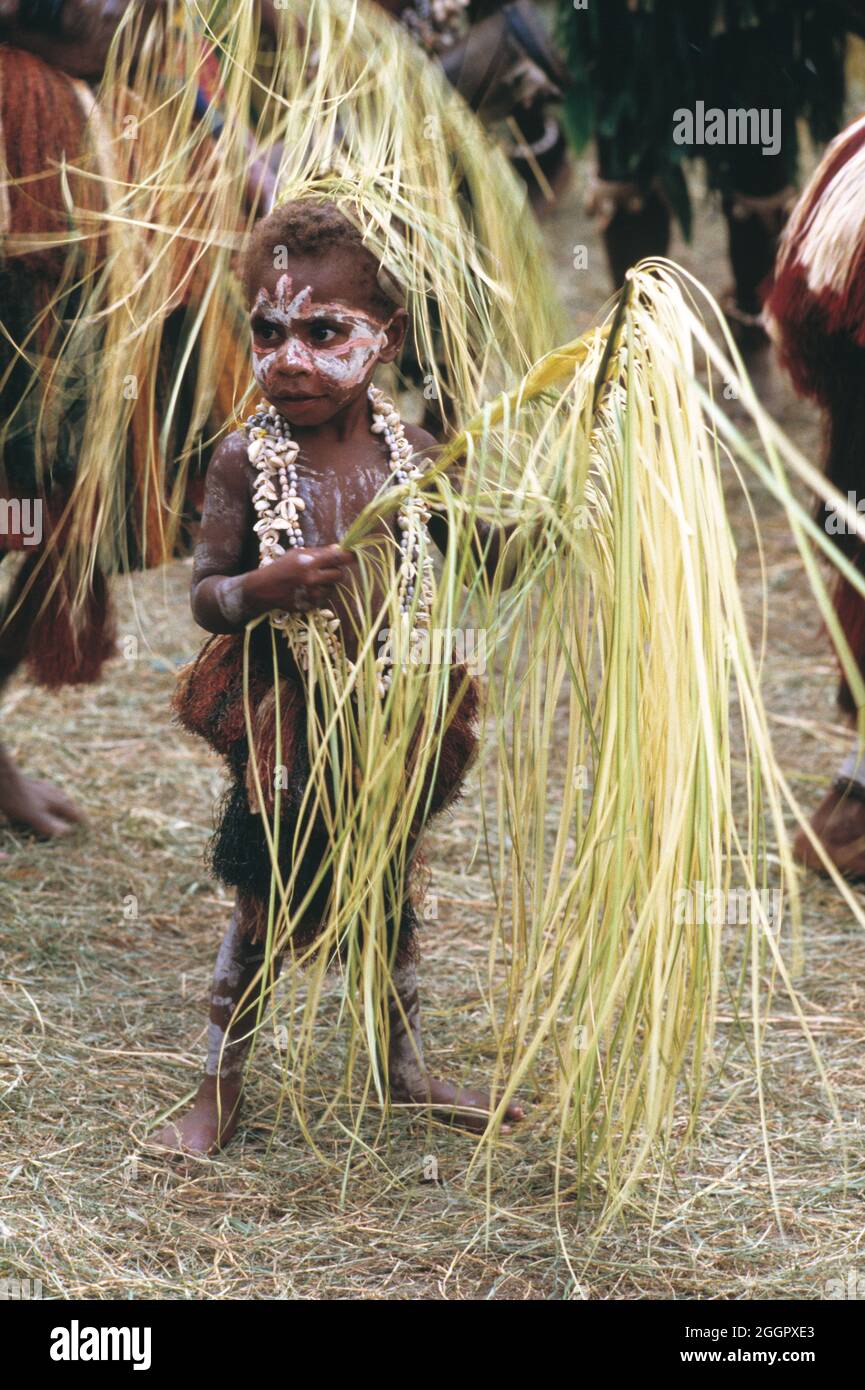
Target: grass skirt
[(209, 702), (57, 149)]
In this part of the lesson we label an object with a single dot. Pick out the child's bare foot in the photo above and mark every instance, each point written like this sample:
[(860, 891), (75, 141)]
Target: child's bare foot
[(410, 1082), (44, 808), (463, 1107), (205, 1128)]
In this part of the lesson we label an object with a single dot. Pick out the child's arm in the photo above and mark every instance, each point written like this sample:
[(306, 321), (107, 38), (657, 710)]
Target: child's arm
[(225, 595), (488, 542)]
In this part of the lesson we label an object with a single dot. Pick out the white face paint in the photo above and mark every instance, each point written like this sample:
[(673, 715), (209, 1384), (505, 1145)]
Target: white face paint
[(326, 347)]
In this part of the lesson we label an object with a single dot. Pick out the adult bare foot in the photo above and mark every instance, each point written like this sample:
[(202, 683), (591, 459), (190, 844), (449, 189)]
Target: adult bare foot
[(460, 1106), (839, 824), (207, 1127), (42, 807)]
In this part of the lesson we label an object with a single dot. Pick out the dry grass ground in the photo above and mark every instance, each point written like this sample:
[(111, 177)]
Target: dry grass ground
[(107, 947)]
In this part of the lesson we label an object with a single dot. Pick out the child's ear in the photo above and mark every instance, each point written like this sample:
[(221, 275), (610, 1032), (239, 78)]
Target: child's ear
[(395, 336)]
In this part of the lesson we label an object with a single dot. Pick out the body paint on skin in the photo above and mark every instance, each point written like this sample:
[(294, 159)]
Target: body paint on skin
[(229, 598), (337, 369)]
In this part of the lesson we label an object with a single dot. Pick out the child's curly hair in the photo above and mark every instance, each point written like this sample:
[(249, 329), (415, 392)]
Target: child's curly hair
[(310, 228)]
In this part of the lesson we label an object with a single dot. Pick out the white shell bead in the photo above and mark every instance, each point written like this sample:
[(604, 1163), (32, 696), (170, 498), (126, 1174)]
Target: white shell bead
[(273, 452)]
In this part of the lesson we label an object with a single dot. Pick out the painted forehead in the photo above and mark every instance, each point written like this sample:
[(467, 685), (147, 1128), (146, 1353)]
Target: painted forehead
[(290, 302)]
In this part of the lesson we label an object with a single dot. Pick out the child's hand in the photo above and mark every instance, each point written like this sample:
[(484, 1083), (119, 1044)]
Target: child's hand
[(303, 579)]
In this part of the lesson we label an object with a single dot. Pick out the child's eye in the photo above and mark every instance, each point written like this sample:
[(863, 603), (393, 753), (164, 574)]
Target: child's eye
[(322, 333), (265, 330)]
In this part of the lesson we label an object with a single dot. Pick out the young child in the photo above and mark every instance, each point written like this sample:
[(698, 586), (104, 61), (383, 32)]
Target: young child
[(320, 323)]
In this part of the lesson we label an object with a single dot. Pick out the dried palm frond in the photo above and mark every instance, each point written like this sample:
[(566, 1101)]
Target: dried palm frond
[(129, 349), (137, 354), (367, 121), (613, 873)]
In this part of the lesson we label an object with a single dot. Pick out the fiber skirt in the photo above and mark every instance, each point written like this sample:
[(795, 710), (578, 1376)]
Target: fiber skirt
[(54, 144), (209, 702)]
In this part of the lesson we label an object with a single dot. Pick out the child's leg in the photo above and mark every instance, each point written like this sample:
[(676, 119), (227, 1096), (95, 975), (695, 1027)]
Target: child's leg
[(216, 1109), (408, 1078)]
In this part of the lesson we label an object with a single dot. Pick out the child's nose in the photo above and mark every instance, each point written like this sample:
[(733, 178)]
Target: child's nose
[(295, 357)]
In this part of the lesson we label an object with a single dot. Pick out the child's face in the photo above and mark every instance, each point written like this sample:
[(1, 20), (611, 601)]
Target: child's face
[(315, 338)]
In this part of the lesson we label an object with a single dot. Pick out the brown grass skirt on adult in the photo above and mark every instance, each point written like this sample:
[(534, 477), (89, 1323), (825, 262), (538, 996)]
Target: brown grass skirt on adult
[(815, 311), (57, 157)]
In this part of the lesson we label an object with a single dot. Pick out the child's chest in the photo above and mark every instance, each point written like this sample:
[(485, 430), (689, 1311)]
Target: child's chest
[(335, 488)]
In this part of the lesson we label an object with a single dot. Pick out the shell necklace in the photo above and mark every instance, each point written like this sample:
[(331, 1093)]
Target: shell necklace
[(273, 454)]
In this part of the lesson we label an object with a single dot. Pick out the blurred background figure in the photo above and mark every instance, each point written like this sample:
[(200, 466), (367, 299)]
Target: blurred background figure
[(633, 63), (63, 158), (73, 35), (49, 52), (816, 314), (501, 59)]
